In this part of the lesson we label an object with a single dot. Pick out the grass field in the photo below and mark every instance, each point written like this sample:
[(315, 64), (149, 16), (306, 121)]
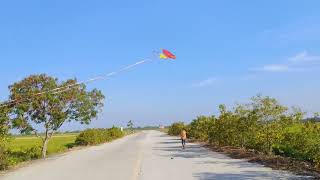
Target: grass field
[(27, 147), (58, 143)]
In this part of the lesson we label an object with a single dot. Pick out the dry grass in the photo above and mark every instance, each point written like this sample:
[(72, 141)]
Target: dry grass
[(272, 161)]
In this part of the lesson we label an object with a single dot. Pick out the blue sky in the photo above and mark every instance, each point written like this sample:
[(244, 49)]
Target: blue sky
[(227, 51)]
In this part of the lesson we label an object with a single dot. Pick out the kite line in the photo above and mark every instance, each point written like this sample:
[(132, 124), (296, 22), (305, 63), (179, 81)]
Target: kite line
[(164, 55)]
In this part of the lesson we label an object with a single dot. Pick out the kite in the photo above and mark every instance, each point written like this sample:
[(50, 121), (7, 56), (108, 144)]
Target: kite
[(166, 55)]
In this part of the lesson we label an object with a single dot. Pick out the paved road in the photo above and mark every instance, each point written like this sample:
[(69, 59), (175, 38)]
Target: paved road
[(149, 155)]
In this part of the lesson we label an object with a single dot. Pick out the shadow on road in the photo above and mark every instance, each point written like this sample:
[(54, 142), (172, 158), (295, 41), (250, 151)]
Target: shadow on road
[(171, 148), (168, 142), (244, 175)]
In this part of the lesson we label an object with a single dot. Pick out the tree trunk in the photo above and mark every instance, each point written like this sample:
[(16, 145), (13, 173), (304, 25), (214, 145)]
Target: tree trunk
[(44, 147)]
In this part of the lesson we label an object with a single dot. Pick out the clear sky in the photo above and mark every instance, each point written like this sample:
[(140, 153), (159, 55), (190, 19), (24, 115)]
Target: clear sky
[(227, 51)]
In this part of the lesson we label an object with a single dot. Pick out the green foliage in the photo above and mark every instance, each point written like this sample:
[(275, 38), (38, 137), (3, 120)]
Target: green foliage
[(301, 141), (98, 136), (4, 126), (257, 125), (24, 154), (199, 128), (4, 122), (4, 162), (176, 128), (91, 137), (51, 110), (115, 133), (263, 125)]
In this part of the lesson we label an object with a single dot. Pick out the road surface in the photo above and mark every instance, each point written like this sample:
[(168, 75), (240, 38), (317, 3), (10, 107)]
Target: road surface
[(149, 155)]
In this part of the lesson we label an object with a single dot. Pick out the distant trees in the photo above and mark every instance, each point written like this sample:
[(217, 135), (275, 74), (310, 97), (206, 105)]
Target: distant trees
[(130, 125), (51, 110)]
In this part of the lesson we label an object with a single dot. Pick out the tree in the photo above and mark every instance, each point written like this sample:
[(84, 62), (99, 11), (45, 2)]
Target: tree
[(269, 112), (130, 125), (51, 110)]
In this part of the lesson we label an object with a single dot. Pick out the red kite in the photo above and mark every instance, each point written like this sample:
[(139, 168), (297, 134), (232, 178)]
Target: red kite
[(167, 55)]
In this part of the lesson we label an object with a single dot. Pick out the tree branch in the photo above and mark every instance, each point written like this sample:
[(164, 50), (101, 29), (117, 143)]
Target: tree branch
[(51, 133), (36, 134)]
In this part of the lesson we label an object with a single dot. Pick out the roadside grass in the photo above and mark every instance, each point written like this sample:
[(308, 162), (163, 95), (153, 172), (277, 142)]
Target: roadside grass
[(22, 148), (25, 148), (58, 143)]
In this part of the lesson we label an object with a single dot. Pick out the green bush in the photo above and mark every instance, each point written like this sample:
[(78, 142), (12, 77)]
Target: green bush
[(199, 128), (91, 137), (262, 125), (301, 141), (98, 136), (24, 154), (115, 133), (4, 126), (4, 162), (176, 128)]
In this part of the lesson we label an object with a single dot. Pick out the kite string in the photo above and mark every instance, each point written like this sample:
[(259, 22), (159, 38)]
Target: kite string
[(68, 87), (101, 77)]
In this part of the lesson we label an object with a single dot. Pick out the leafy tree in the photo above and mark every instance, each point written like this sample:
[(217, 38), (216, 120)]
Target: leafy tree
[(223, 132), (245, 124), (268, 111), (50, 110)]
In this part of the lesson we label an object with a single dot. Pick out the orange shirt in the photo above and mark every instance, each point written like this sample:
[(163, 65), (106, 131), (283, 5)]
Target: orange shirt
[(183, 134)]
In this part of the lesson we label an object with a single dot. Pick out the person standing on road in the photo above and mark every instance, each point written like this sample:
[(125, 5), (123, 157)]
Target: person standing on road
[(183, 135)]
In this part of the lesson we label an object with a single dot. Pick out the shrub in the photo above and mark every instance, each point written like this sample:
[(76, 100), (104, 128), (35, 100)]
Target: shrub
[(91, 137), (176, 128), (4, 163), (262, 125), (199, 128), (301, 141), (34, 152), (98, 136), (4, 121), (24, 154), (115, 133)]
